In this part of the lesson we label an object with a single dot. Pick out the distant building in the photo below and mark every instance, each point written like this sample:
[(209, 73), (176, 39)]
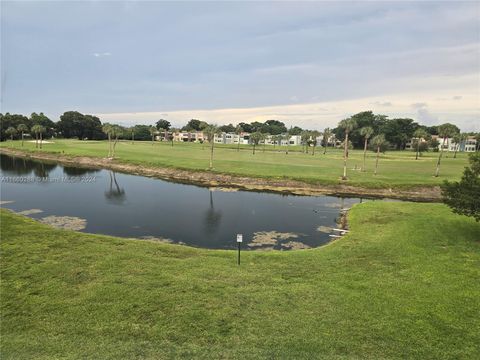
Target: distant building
[(189, 136), (467, 145)]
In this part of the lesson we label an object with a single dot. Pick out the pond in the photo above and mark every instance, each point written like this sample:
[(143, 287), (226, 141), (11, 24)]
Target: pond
[(105, 202)]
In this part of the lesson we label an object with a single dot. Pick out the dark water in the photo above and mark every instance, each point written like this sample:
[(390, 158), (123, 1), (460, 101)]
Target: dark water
[(135, 206)]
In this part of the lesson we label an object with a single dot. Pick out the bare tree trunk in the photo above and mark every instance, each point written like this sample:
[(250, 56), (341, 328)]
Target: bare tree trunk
[(114, 145), (22, 138), (376, 162), (253, 148), (288, 144), (36, 140), (133, 137), (437, 171), (41, 138), (365, 155), (238, 145), (456, 149), (418, 149), (345, 152), (109, 145), (211, 154)]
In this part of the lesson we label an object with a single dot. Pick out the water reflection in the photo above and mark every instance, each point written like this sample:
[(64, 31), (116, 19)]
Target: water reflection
[(76, 171), (114, 194), (13, 166), (183, 213), (212, 217)]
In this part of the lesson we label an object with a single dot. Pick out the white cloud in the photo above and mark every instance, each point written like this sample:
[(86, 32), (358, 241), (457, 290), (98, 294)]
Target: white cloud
[(319, 115), (102, 54)]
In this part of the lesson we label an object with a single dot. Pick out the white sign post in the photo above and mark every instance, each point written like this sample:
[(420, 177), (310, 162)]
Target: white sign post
[(239, 241)]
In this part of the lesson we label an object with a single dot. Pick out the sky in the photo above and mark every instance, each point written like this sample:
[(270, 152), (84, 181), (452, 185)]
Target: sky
[(309, 64)]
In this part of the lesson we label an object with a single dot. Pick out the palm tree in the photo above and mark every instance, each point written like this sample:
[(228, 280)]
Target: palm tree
[(366, 132), (238, 131), (38, 130), (108, 130), (153, 131), (314, 134), (210, 131), (419, 134), (264, 139), (378, 141), (256, 137), (457, 139), (11, 131), (348, 125), (117, 131), (445, 131), (286, 137), (132, 130), (326, 135), (22, 128), (305, 136)]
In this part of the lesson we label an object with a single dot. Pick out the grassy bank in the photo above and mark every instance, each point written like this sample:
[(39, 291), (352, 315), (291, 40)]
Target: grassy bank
[(403, 284), (396, 168)]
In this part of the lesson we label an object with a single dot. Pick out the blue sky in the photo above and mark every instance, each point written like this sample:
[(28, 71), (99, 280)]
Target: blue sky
[(306, 63)]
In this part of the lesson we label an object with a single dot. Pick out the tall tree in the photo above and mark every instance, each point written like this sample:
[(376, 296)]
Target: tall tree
[(378, 142), (153, 131), (418, 135), (458, 138), (314, 134), (38, 130), (22, 128), (366, 132), (195, 125), (227, 128), (11, 131), (238, 131), (464, 196), (163, 124), (304, 137), (273, 127), (445, 131), (264, 139), (327, 133), (256, 137), (210, 131), (11, 120), (108, 130), (42, 119), (347, 125), (117, 132)]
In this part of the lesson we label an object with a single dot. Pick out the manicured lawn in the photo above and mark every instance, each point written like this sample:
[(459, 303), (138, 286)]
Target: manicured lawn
[(403, 284), (396, 168)]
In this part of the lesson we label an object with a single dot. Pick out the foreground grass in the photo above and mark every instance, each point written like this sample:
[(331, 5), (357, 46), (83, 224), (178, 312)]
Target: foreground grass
[(396, 169), (403, 284)]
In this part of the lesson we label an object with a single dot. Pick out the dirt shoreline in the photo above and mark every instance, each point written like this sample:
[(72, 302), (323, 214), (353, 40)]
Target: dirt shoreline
[(216, 180)]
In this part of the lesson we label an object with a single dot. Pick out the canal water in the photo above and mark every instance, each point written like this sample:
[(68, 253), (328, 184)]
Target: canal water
[(105, 202)]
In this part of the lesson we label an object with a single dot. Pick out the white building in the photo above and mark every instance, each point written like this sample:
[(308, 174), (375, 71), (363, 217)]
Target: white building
[(467, 145), (232, 138)]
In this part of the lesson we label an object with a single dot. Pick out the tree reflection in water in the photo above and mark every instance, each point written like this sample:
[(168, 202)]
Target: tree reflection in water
[(212, 217), (115, 194), (13, 166)]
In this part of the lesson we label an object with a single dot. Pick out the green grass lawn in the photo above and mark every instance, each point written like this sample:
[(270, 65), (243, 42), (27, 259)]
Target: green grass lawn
[(403, 284), (396, 168)]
